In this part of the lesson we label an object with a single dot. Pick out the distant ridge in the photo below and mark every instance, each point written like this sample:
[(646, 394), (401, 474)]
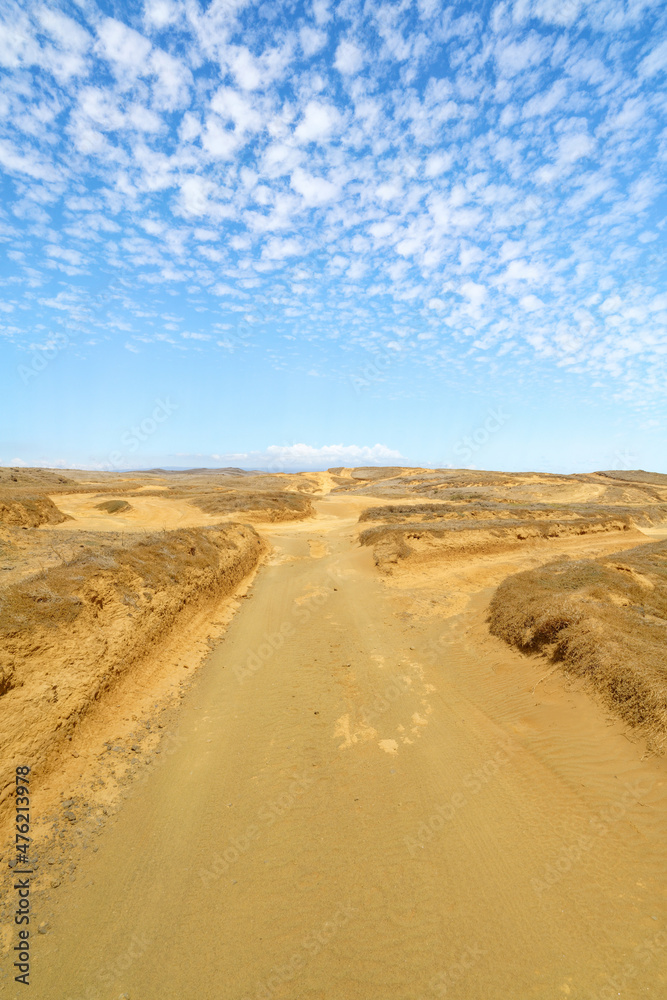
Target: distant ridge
[(227, 471)]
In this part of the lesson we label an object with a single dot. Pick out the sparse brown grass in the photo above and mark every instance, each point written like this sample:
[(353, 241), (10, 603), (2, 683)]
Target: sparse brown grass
[(23, 478), (603, 619)]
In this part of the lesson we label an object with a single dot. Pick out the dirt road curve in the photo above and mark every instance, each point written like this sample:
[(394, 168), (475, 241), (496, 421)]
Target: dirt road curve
[(373, 806)]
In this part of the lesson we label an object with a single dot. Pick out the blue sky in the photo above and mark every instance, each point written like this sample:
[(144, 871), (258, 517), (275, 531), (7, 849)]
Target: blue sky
[(296, 235)]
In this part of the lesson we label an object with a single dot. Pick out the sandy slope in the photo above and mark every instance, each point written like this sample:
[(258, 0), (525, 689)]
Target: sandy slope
[(147, 514), (381, 802)]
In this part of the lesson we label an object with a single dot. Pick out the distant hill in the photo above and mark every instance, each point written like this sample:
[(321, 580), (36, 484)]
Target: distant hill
[(23, 478), (227, 471)]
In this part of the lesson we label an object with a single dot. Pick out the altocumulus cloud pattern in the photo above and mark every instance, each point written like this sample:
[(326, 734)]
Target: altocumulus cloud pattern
[(469, 184)]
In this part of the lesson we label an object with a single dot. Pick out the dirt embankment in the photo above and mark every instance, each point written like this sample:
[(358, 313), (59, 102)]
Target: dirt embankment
[(29, 511), (480, 510), (66, 634), (426, 542), (603, 619)]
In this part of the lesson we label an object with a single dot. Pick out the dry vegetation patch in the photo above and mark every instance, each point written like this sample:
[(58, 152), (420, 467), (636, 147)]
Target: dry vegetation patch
[(474, 509), (23, 478), (603, 619), (267, 505), (114, 506)]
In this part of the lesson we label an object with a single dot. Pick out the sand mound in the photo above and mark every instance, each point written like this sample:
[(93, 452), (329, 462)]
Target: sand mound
[(114, 506), (68, 633), (603, 619)]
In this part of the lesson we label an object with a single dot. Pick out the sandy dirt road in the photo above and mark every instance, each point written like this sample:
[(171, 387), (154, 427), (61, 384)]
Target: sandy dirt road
[(367, 804)]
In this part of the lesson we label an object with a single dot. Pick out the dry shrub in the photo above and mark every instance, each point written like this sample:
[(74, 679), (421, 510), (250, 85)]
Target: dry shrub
[(604, 619)]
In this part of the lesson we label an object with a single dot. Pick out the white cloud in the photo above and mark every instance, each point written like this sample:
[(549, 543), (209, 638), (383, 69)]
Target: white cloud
[(27, 162), (349, 58), (655, 62), (246, 70), (474, 292), (437, 164), (221, 143), (278, 249), (171, 87), (101, 107), (471, 165), (195, 195), (160, 13), (236, 107), (318, 122), (311, 40), (304, 456), (67, 58), (122, 46), (513, 57), (573, 147), (321, 11), (531, 303), (313, 190), (544, 103)]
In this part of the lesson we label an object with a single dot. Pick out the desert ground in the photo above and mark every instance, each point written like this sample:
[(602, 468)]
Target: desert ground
[(349, 735)]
